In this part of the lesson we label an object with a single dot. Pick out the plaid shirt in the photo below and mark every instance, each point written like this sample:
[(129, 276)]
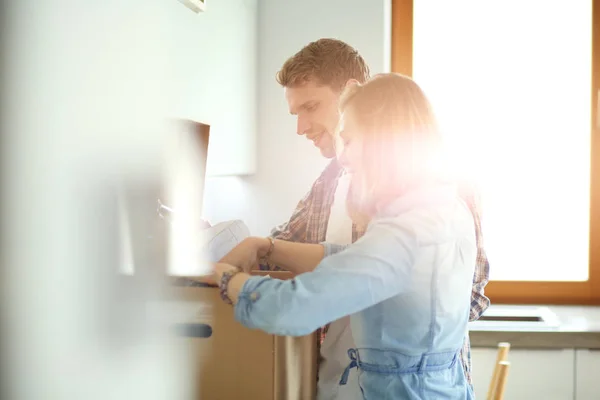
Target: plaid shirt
[(308, 224)]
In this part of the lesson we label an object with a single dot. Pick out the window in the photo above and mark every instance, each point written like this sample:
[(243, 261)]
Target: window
[(515, 85)]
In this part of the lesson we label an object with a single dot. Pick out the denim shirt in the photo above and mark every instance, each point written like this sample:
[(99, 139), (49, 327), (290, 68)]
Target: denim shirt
[(406, 284)]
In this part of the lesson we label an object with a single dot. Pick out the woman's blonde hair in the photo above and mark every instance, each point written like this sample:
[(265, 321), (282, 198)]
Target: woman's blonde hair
[(400, 140)]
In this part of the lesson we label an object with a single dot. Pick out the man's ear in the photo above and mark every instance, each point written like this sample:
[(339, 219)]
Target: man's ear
[(351, 82)]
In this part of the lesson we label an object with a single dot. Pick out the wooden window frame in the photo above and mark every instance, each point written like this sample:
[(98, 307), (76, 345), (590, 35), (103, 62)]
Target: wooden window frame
[(528, 292)]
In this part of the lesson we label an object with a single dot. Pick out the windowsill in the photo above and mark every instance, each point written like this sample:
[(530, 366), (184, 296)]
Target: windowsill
[(572, 327)]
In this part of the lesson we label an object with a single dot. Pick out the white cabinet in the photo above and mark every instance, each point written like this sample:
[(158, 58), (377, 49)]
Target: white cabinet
[(587, 374), (534, 374)]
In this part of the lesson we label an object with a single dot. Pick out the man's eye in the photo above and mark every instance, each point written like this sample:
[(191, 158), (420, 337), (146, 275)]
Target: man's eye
[(312, 107)]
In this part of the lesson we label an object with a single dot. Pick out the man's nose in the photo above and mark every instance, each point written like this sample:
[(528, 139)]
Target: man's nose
[(302, 125)]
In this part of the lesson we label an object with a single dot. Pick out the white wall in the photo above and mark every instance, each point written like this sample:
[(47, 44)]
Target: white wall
[(213, 66), (288, 164)]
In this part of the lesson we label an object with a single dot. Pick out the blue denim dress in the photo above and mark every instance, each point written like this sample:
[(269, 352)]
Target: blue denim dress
[(406, 284)]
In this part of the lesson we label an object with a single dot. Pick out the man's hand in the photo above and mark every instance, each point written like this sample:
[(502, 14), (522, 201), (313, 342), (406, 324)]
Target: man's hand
[(247, 254)]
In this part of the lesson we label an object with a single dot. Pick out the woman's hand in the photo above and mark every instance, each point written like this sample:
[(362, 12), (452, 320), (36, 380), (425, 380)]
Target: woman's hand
[(247, 254), (235, 283)]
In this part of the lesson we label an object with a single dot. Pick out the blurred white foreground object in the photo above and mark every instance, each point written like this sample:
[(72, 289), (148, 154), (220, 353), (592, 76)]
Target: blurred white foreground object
[(186, 147), (85, 86)]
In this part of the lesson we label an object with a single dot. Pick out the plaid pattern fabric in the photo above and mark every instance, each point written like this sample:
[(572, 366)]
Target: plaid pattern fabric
[(308, 224)]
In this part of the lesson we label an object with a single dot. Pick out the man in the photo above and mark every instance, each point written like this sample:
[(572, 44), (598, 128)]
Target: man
[(313, 80)]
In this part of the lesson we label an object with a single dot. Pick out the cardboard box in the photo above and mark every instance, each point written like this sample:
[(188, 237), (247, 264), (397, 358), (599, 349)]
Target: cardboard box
[(239, 363)]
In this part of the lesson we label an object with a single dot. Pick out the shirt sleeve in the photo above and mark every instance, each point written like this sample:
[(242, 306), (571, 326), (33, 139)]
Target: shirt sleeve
[(375, 268), (331, 248), (294, 229), (479, 301)]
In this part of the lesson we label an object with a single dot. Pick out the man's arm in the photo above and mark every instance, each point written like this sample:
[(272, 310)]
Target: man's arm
[(479, 302), (294, 230)]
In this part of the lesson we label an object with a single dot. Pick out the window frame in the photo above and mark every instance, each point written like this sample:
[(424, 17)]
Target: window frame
[(529, 292)]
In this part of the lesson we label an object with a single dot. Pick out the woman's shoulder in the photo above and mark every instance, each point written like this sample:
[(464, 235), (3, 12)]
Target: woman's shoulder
[(435, 219)]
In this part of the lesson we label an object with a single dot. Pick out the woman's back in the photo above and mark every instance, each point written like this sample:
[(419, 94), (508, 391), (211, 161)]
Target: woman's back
[(435, 306), (416, 335)]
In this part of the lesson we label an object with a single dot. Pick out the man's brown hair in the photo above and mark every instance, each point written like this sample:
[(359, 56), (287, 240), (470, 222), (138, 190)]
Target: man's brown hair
[(328, 62)]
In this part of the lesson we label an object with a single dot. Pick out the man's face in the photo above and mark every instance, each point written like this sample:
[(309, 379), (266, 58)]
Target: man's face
[(316, 110), (350, 148)]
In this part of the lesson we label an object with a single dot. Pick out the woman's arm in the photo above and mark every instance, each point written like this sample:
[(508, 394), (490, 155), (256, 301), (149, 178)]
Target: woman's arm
[(235, 283), (375, 268), (294, 257)]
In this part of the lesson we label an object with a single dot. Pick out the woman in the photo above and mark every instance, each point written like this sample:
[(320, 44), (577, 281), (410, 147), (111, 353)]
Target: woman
[(406, 283)]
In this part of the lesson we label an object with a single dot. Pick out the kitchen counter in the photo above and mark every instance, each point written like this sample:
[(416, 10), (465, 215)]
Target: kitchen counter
[(538, 327)]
